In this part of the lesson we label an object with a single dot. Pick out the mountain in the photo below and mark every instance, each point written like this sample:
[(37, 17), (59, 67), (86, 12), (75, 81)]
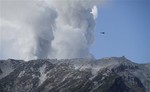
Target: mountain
[(114, 74), (7, 66)]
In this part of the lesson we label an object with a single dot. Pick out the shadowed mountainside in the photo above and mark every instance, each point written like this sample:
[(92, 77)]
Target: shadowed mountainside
[(115, 74)]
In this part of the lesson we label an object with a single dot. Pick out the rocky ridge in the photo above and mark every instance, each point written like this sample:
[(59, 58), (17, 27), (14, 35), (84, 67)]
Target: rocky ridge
[(115, 74)]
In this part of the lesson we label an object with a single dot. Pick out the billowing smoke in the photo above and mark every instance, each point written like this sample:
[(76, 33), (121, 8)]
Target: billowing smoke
[(32, 29)]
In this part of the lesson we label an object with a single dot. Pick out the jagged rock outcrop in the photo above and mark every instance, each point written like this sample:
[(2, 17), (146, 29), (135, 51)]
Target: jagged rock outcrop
[(115, 74)]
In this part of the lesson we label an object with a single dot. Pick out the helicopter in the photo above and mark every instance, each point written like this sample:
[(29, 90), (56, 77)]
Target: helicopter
[(102, 33)]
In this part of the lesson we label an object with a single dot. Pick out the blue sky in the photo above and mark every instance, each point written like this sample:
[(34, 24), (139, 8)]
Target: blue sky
[(127, 27)]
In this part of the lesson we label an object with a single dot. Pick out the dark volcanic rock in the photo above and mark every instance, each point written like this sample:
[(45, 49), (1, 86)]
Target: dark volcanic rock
[(1, 72), (75, 75)]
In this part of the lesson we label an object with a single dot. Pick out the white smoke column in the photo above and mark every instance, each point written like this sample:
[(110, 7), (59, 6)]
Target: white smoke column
[(74, 31), (43, 29), (16, 36), (47, 28)]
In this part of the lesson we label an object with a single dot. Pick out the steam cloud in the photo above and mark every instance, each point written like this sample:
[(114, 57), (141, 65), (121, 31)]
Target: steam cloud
[(32, 29)]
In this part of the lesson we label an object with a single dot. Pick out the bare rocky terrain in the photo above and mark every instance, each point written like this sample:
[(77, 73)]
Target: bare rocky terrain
[(114, 74)]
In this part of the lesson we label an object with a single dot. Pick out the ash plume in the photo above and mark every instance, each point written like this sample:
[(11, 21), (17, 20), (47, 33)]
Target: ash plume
[(47, 28)]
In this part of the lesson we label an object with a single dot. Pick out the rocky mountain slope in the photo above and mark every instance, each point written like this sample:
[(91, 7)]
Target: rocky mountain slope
[(115, 74)]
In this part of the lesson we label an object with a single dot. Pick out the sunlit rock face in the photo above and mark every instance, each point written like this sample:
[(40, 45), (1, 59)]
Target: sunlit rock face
[(115, 74)]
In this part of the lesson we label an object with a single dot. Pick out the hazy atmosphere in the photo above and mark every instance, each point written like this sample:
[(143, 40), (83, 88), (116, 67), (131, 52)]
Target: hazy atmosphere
[(32, 29), (41, 29), (74, 45)]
